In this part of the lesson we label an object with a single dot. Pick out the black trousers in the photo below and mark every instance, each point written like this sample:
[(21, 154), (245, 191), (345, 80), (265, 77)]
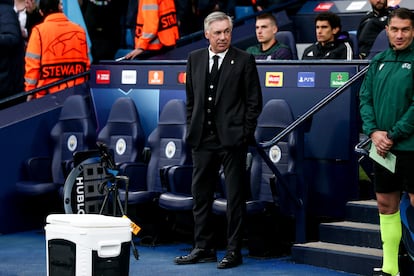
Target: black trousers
[(207, 162)]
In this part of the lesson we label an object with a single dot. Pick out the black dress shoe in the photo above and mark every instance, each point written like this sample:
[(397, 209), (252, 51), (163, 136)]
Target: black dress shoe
[(231, 259), (197, 255)]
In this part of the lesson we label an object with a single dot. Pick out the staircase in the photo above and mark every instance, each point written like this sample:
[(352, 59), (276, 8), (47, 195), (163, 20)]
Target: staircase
[(352, 246)]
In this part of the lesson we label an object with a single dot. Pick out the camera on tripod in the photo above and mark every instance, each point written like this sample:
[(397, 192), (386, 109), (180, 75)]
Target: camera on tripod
[(110, 167), (107, 157), (93, 181)]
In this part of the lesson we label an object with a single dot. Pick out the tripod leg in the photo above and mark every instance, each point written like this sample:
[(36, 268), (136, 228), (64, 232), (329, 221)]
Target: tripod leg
[(126, 181), (126, 194), (134, 249), (104, 203)]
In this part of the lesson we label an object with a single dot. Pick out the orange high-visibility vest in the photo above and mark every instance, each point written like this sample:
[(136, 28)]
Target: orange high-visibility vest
[(57, 49), (156, 24)]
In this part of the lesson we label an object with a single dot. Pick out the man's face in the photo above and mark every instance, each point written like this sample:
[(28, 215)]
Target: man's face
[(400, 33), (378, 5), (219, 36), (324, 32), (265, 30)]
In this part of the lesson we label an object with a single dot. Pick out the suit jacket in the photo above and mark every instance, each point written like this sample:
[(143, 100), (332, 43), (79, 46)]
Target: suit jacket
[(238, 100), (11, 51)]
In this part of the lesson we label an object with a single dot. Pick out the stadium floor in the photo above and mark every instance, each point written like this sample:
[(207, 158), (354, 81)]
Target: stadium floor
[(24, 254)]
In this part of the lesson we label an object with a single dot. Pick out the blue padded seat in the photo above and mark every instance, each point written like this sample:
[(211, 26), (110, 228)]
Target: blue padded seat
[(176, 189), (74, 131), (381, 43), (123, 132), (355, 49), (178, 196), (253, 207), (167, 147), (276, 115), (287, 38), (124, 136), (167, 142), (269, 204)]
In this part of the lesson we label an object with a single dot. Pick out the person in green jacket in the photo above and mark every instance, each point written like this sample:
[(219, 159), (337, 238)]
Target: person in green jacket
[(387, 113), (268, 48)]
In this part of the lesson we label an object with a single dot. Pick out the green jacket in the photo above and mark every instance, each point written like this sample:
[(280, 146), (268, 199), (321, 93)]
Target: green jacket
[(387, 97), (277, 51)]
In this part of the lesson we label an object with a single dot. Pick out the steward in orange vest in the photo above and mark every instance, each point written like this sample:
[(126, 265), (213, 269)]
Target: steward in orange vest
[(157, 28), (57, 49)]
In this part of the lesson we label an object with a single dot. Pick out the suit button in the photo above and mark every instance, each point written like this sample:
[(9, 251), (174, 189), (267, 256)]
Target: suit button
[(211, 86), (209, 123), (208, 110), (210, 98)]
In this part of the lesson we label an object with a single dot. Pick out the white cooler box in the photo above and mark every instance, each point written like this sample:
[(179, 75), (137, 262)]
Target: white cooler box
[(87, 244)]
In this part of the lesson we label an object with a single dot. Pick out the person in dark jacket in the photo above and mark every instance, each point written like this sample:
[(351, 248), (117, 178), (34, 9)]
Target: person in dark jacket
[(103, 21), (371, 25), (331, 42), (33, 15), (11, 53), (224, 100)]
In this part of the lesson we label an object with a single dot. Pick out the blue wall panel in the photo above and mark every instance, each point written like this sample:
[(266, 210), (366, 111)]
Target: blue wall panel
[(331, 171)]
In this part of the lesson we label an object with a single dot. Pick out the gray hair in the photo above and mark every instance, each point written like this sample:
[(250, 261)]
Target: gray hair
[(216, 16)]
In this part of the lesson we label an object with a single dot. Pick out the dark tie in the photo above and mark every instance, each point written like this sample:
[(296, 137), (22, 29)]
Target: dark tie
[(214, 69)]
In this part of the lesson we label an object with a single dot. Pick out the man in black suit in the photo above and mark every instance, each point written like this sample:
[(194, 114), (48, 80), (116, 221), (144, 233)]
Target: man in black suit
[(223, 104)]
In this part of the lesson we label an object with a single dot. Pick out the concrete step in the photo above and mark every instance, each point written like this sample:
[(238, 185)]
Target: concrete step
[(351, 233), (351, 259), (362, 211)]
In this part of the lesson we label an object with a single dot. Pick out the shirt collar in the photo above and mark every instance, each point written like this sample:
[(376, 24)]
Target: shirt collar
[(211, 54)]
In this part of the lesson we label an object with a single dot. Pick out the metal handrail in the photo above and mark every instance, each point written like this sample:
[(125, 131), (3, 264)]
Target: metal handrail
[(314, 109), (47, 86), (306, 116), (361, 146)]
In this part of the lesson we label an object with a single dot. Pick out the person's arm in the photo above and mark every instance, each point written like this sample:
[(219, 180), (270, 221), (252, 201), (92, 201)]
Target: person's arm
[(189, 92), (366, 106), (254, 98), (282, 54), (367, 34), (148, 31), (382, 142), (369, 125), (307, 51), (32, 60), (343, 51), (404, 127)]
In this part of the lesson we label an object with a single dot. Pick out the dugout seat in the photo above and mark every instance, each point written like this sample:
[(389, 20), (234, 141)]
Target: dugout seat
[(381, 43), (124, 136), (167, 148), (287, 38), (74, 131), (267, 196)]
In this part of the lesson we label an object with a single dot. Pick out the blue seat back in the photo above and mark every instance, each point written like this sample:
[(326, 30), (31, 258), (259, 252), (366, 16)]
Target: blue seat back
[(276, 116), (167, 142), (354, 40), (381, 43), (123, 132), (74, 131), (287, 38)]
